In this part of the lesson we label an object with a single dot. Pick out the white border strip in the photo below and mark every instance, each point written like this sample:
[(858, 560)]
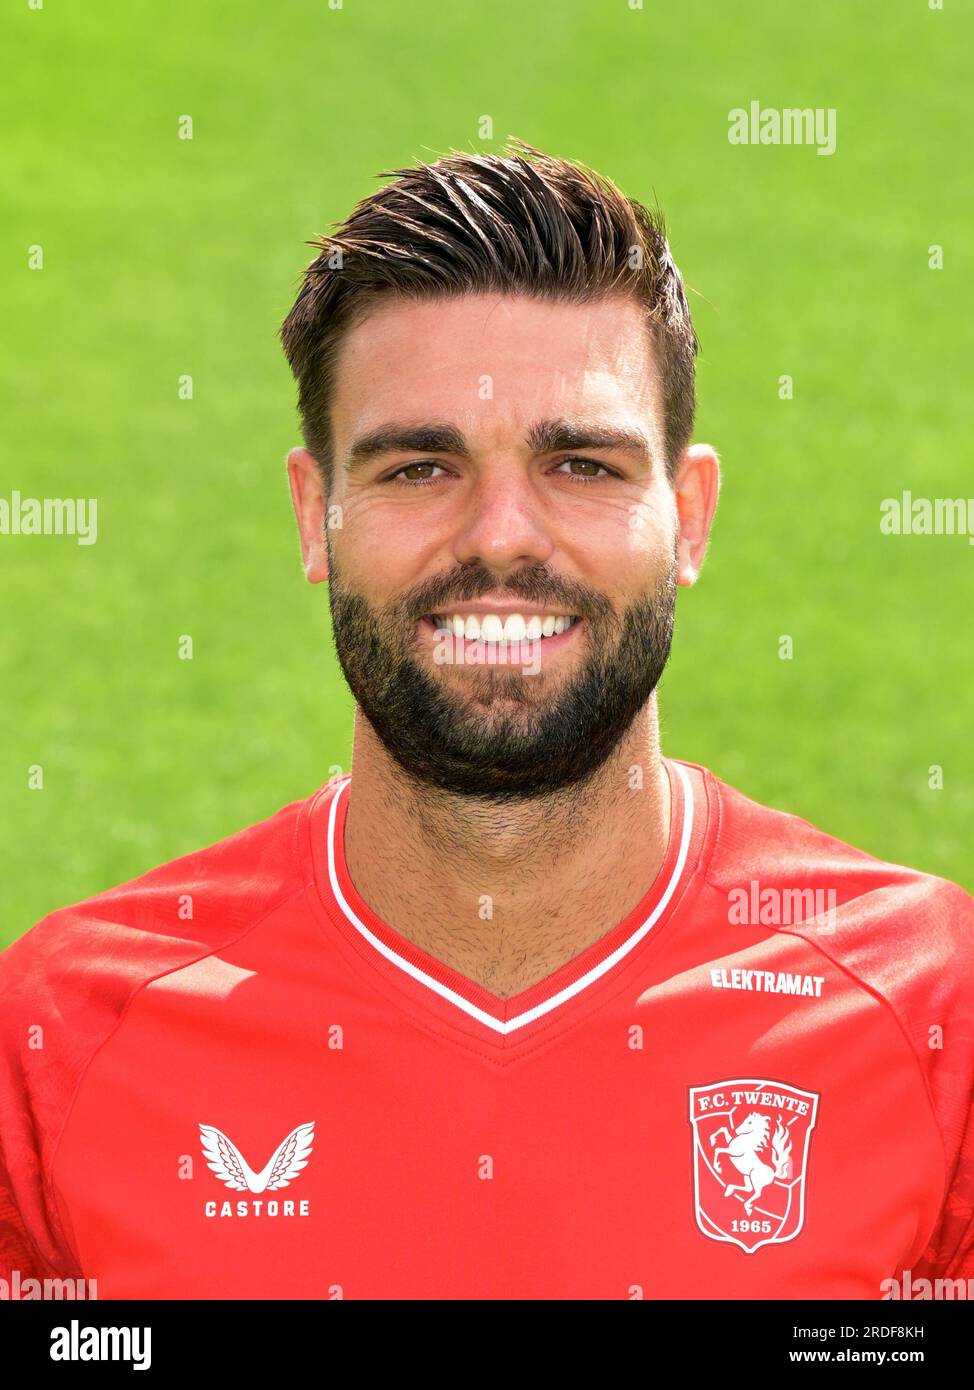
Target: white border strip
[(569, 992)]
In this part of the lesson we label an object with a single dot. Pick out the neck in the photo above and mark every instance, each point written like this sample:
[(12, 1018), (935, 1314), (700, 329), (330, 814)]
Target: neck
[(506, 894)]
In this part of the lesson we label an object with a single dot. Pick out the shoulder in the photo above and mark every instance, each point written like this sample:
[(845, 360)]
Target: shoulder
[(905, 933), (87, 958), (66, 984)]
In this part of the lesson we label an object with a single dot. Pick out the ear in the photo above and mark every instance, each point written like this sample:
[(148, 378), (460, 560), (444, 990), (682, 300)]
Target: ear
[(696, 483), (310, 508)]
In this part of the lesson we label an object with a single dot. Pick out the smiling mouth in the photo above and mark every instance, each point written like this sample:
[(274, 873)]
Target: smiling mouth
[(507, 627)]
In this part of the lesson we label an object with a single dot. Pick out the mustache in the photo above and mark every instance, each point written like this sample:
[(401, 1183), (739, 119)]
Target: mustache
[(534, 584)]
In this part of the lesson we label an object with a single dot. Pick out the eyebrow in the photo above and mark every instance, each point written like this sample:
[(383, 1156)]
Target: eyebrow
[(544, 437), (547, 436), (406, 439)]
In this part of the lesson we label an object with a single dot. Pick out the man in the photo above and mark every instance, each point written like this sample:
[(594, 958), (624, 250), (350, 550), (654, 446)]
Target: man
[(520, 1008)]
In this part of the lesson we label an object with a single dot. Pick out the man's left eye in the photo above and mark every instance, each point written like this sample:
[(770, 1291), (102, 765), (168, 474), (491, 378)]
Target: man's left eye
[(416, 472), (584, 468)]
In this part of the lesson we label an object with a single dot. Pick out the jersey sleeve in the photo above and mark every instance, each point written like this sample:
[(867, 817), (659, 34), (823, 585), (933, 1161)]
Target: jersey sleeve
[(943, 1038), (41, 1056), (950, 1252), (64, 989)]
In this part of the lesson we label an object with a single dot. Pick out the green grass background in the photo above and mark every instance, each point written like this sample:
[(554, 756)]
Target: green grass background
[(165, 256)]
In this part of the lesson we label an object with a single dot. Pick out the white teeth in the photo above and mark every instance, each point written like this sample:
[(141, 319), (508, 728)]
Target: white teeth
[(491, 627)]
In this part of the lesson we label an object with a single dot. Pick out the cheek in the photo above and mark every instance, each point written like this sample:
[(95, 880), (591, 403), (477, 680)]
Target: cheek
[(640, 564), (649, 537), (380, 549)]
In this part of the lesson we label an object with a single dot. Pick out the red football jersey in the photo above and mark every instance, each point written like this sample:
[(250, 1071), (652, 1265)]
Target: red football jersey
[(228, 1078)]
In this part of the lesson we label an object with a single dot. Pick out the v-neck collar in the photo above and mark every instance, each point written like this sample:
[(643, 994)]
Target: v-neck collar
[(454, 999)]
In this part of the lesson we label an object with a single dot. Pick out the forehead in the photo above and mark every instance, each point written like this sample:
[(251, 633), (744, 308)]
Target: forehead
[(494, 363)]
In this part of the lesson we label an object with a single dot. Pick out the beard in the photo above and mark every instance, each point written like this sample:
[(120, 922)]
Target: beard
[(497, 734)]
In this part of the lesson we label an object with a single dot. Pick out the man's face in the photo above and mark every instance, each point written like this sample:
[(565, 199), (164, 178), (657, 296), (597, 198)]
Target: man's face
[(499, 461)]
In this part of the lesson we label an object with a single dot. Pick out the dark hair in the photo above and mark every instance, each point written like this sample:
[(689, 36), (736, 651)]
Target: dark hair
[(521, 222)]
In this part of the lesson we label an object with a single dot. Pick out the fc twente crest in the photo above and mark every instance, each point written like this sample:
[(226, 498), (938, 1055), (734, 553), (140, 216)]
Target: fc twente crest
[(750, 1160)]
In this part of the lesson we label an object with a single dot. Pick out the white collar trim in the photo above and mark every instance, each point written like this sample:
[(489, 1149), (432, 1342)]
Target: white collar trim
[(511, 1025)]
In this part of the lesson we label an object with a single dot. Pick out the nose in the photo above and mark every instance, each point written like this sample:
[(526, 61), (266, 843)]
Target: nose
[(504, 526)]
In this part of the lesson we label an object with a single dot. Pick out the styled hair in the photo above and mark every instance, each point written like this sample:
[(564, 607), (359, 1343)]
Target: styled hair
[(521, 222)]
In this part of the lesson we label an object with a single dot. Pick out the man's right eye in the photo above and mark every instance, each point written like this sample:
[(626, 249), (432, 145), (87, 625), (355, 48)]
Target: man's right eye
[(418, 473)]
